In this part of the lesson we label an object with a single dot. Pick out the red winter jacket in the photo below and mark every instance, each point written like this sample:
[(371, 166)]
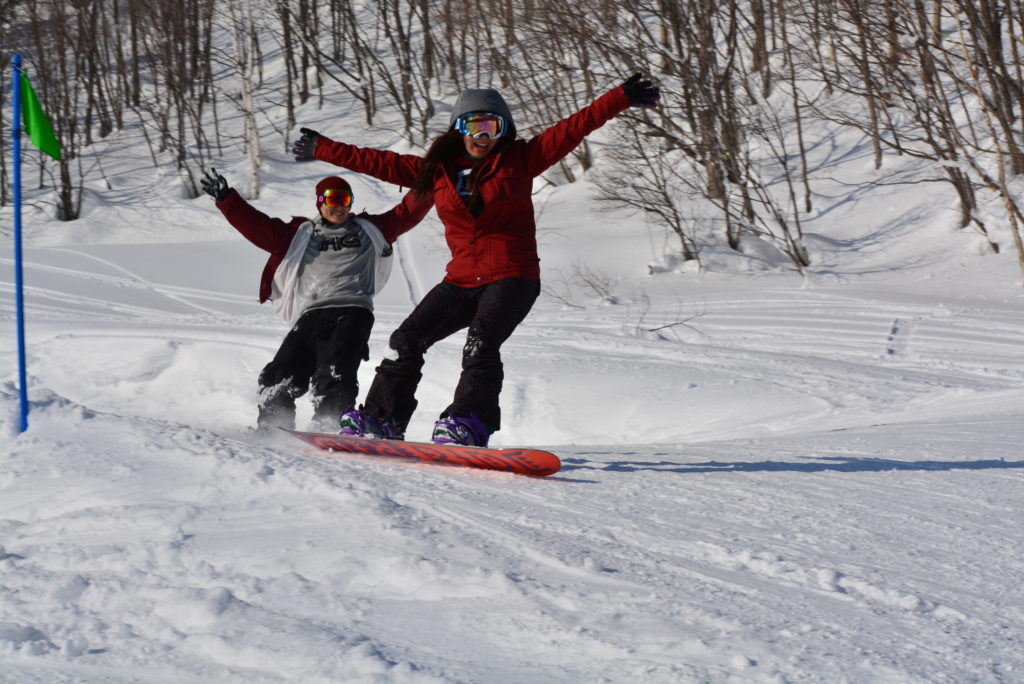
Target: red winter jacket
[(274, 235), (502, 241)]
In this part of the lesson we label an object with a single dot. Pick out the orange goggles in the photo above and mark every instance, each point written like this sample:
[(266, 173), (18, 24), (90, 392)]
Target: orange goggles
[(335, 198)]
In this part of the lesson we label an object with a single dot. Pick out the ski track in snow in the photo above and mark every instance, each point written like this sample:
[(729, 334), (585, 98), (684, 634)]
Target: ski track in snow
[(809, 487)]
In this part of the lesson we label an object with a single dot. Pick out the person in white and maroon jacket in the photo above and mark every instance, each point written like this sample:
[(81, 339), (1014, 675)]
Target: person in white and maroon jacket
[(321, 276)]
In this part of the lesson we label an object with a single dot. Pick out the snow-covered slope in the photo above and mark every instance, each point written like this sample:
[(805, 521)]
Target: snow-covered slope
[(767, 477)]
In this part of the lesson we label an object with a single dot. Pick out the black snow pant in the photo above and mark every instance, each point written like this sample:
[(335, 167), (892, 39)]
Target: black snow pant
[(323, 350), (491, 312)]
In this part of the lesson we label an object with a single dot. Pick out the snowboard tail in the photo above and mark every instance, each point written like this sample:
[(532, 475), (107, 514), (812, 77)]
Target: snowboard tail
[(523, 461)]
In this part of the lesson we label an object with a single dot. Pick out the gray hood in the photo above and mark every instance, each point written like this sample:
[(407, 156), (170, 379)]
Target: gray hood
[(481, 100)]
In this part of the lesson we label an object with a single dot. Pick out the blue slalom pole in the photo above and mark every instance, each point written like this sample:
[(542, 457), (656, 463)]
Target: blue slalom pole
[(19, 297)]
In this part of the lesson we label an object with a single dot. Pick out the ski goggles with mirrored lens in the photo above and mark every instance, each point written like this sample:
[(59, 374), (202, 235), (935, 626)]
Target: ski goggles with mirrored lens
[(335, 198), (476, 124)]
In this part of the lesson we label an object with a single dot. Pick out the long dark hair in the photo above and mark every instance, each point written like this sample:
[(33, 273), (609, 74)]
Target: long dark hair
[(448, 146)]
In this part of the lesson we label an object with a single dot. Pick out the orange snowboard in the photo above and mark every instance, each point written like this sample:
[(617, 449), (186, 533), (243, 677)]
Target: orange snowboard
[(524, 461)]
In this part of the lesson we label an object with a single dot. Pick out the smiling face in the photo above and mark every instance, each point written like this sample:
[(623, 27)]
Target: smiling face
[(478, 148), (337, 214), (334, 203)]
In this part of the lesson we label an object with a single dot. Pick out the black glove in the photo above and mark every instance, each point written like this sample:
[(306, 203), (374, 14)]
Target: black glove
[(304, 146), (215, 185), (641, 93)]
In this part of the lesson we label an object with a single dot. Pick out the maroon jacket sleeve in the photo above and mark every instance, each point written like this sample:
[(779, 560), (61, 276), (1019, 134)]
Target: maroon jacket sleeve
[(390, 167), (403, 217), (553, 144), (270, 234)]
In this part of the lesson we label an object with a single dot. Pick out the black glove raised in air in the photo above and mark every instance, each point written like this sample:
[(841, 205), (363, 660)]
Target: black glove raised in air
[(641, 92), (305, 145), (215, 185)]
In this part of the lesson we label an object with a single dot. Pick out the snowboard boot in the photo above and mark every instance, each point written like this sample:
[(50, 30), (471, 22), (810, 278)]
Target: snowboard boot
[(271, 418), (323, 423), (357, 423), (459, 430), (325, 414)]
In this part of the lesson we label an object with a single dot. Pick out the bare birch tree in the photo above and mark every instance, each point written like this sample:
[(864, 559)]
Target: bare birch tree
[(244, 37), (724, 158)]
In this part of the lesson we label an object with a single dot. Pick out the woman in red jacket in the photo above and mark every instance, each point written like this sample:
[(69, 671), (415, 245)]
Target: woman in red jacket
[(480, 177)]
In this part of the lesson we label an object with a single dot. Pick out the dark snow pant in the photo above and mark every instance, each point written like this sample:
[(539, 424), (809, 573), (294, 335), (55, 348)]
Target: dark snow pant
[(323, 350), (491, 312)]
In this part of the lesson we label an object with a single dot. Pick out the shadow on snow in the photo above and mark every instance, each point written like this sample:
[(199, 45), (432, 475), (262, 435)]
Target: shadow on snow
[(842, 464)]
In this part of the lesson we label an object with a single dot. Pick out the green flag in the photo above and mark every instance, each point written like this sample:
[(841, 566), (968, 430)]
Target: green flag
[(36, 124)]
